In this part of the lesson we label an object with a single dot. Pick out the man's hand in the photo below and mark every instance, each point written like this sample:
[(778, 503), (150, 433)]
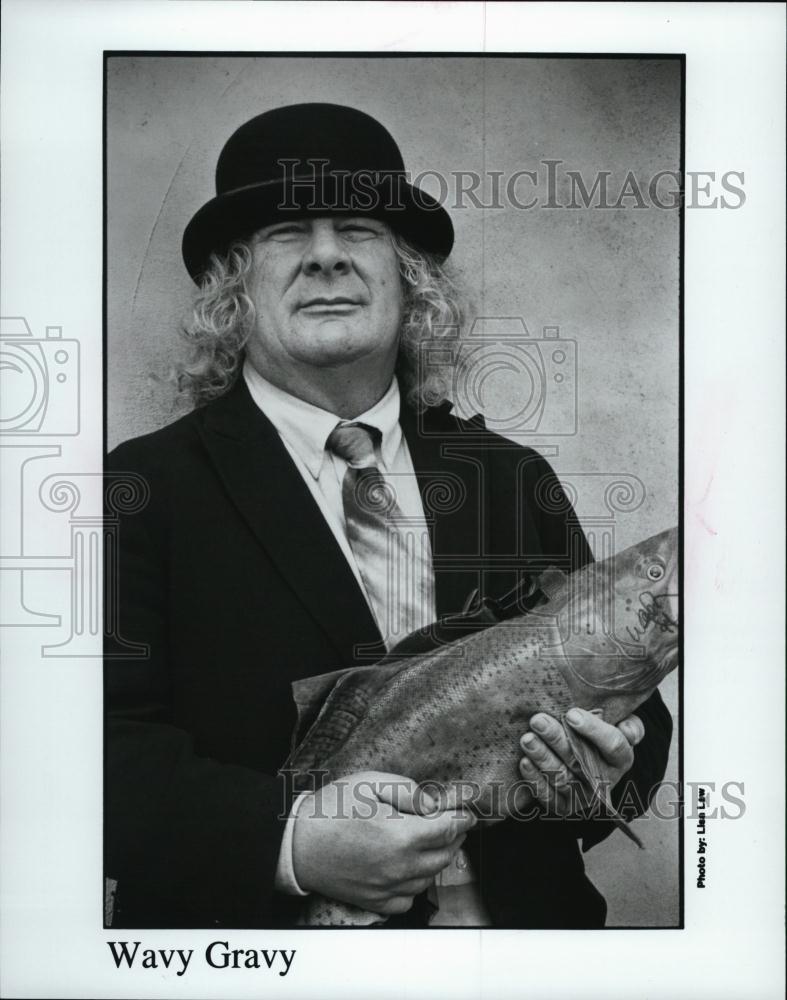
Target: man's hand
[(547, 764), (374, 840)]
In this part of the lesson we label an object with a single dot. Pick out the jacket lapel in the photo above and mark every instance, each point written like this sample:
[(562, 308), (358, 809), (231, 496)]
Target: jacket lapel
[(267, 489), (449, 466)]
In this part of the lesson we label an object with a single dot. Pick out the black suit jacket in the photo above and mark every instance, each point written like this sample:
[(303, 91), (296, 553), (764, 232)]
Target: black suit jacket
[(232, 580)]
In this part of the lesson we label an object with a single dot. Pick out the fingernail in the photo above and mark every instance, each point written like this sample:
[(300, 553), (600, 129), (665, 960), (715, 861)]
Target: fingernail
[(424, 800), (525, 764), (574, 717), (539, 723), (529, 740)]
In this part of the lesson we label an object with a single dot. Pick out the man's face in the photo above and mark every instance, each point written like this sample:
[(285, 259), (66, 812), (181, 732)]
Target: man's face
[(327, 293)]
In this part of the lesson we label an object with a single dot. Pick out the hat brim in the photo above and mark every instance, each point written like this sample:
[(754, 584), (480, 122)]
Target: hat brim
[(236, 215)]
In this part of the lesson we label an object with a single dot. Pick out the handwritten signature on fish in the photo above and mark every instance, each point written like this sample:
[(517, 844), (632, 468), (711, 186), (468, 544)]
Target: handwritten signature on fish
[(654, 610)]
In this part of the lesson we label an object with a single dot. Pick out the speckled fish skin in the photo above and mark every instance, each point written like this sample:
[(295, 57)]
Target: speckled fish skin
[(603, 641)]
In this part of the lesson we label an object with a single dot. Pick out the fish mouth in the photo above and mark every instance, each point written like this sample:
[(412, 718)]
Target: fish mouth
[(669, 661)]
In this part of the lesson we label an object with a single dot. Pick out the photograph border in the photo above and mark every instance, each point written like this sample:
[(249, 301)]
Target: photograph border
[(680, 477)]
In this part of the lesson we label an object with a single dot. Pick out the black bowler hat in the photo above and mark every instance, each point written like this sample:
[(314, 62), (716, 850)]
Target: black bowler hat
[(312, 158)]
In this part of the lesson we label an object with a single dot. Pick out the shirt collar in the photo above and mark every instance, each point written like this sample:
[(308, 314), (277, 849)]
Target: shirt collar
[(305, 427)]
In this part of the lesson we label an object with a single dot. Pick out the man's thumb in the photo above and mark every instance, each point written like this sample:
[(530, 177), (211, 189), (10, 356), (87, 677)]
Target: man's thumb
[(404, 794), (450, 824)]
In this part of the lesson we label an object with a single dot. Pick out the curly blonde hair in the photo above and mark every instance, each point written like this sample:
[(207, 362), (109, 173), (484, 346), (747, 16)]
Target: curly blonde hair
[(223, 317)]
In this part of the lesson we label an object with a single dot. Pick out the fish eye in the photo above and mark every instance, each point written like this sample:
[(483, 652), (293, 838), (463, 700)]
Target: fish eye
[(655, 571)]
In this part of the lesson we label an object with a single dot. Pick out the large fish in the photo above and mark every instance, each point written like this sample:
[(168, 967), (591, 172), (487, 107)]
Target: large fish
[(602, 638)]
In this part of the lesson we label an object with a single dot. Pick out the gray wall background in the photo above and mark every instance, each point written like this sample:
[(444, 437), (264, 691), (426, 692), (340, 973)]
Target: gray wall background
[(607, 278)]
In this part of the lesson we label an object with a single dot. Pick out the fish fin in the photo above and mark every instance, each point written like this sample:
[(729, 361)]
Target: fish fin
[(477, 613), (471, 602), (550, 581), (598, 776), (309, 695), (330, 706)]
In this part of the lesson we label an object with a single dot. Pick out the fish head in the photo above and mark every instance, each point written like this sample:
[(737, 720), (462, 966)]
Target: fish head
[(645, 616), (619, 620), (650, 567), (646, 598)]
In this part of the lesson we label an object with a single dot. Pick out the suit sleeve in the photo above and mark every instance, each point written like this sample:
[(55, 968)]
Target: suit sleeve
[(190, 841), (562, 535)]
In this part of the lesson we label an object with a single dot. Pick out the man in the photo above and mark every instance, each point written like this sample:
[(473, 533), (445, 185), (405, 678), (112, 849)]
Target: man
[(320, 273)]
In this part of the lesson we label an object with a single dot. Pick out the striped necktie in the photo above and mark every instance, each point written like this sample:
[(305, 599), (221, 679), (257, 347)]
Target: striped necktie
[(391, 552)]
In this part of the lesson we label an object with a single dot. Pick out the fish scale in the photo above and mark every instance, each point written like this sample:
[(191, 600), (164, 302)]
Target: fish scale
[(602, 639)]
